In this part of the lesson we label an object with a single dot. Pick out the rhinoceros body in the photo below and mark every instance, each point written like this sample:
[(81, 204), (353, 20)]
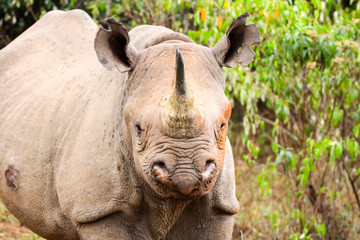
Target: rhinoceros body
[(88, 153)]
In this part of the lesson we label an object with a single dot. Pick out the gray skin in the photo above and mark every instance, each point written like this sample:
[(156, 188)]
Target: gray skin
[(138, 153)]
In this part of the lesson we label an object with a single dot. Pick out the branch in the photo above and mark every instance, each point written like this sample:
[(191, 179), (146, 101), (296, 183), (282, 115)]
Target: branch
[(356, 178), (324, 173), (108, 8), (303, 115), (32, 13), (280, 128), (352, 184)]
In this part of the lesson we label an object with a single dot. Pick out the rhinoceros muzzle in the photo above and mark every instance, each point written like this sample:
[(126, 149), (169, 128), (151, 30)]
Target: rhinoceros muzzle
[(184, 179)]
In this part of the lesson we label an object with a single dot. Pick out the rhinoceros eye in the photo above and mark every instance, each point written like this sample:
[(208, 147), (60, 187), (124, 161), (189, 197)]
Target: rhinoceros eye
[(138, 128)]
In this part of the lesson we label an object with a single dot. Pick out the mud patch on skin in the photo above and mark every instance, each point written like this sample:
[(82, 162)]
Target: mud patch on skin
[(10, 176)]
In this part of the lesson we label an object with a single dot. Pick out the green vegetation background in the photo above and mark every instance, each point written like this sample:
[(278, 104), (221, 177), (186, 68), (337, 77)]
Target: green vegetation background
[(295, 126)]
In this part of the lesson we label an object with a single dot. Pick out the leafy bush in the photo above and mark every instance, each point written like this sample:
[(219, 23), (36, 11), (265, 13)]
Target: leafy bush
[(296, 112)]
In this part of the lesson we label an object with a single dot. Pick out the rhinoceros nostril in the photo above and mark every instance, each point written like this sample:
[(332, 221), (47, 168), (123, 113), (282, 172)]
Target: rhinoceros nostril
[(160, 171), (208, 163), (160, 164), (210, 169)]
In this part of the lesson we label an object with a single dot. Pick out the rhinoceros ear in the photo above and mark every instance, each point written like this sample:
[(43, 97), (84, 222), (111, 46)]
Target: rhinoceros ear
[(239, 35), (113, 46)]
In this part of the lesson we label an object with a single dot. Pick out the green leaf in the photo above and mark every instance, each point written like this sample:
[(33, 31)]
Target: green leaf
[(317, 152), (306, 177), (356, 131), (351, 96), (294, 237), (338, 150), (293, 161), (274, 147), (337, 116), (321, 229), (350, 148), (356, 149), (332, 155), (310, 142), (262, 126)]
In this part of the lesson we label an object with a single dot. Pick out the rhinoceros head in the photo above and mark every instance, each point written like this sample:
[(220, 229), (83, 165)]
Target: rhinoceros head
[(175, 116)]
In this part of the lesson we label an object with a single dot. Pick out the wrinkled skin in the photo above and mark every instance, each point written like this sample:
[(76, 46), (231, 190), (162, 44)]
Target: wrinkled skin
[(88, 153)]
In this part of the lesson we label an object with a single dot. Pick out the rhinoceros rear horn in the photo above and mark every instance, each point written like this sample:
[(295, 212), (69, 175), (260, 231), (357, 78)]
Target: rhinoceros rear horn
[(180, 84), (113, 46), (239, 35)]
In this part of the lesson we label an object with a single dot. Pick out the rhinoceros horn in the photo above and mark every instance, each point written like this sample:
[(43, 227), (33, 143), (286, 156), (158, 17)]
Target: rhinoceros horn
[(180, 83), (181, 114)]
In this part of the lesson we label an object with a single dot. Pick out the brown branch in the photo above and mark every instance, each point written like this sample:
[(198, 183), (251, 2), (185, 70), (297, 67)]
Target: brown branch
[(324, 173), (336, 99), (79, 4), (352, 184), (304, 96), (108, 8), (32, 13), (356, 178), (331, 116), (148, 7), (282, 129)]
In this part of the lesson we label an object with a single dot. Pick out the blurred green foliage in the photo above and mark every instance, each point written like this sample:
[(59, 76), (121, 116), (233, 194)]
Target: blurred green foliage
[(296, 108)]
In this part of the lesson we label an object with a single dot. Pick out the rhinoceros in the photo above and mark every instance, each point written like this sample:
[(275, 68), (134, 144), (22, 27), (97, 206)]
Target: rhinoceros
[(140, 152)]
